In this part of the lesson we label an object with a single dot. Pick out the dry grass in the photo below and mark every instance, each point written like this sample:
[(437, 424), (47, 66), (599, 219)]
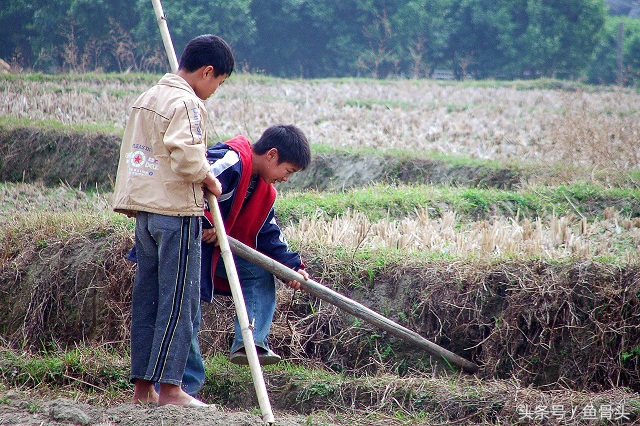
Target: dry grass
[(595, 131), (542, 321), (498, 123), (69, 102), (36, 197), (556, 238), (458, 401), (519, 318), (63, 275)]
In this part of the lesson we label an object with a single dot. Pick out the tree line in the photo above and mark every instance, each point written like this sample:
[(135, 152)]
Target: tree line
[(509, 39)]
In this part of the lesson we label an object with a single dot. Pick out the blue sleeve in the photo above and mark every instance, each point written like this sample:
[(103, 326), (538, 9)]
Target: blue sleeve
[(225, 165), (271, 241), (132, 255)]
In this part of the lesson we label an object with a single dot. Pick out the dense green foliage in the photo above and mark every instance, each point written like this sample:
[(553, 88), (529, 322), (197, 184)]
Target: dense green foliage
[(300, 38), (603, 68)]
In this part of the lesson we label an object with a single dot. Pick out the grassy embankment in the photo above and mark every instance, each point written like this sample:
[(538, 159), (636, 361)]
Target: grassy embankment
[(573, 201)]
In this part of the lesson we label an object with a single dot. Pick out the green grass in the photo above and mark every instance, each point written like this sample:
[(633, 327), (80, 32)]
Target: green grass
[(49, 215), (152, 78), (370, 103), (11, 123), (386, 201), (89, 369), (98, 78), (101, 374)]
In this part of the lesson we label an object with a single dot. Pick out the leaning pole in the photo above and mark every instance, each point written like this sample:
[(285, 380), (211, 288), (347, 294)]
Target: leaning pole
[(354, 308)]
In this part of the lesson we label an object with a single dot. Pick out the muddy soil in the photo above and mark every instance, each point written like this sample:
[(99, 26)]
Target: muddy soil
[(17, 408)]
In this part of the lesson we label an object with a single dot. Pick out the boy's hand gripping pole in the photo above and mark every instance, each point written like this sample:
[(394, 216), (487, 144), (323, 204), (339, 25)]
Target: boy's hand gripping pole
[(227, 257)]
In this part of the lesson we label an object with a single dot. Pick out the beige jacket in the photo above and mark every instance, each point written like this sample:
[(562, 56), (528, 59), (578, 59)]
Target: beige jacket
[(163, 152)]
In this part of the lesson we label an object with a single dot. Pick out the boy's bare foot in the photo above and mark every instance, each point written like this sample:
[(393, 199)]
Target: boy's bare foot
[(174, 395), (144, 393)]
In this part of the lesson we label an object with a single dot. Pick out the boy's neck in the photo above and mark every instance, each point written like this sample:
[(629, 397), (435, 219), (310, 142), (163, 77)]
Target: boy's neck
[(261, 162), (255, 163)]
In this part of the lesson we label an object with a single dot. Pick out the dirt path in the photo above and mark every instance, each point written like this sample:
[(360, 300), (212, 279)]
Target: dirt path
[(24, 410)]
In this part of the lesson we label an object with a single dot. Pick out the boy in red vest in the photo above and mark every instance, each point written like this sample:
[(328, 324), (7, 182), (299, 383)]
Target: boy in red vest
[(247, 174)]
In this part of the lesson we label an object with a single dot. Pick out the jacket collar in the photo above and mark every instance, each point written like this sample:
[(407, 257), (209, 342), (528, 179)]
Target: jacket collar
[(174, 80)]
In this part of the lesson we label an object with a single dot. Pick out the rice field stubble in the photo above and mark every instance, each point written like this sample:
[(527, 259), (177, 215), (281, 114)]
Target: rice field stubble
[(500, 123)]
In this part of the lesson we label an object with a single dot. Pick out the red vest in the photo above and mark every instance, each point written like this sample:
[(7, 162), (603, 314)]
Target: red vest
[(244, 221)]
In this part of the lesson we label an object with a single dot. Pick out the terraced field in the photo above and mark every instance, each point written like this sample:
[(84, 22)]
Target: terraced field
[(498, 219)]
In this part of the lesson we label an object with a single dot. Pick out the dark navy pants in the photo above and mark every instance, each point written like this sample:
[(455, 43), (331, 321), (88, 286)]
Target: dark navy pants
[(166, 295)]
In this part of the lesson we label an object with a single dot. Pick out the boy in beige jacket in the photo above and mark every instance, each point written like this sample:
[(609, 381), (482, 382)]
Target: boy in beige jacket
[(161, 175)]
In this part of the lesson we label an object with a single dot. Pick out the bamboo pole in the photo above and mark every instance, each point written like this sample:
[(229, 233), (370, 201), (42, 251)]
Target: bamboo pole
[(227, 257), (354, 308), (166, 36), (241, 312)]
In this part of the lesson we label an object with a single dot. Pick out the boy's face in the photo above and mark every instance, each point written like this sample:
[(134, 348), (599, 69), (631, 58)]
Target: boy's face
[(274, 172)]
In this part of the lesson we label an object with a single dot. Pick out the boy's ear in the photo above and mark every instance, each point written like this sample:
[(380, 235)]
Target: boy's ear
[(272, 153), (208, 70)]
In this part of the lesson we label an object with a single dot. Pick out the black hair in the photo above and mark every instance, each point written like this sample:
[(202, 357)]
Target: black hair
[(289, 140), (207, 50)]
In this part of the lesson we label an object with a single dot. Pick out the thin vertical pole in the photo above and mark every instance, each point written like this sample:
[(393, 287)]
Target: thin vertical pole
[(620, 64), (166, 37), (241, 312)]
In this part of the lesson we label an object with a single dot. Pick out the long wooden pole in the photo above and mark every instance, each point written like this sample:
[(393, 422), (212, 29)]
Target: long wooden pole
[(241, 312), (166, 36), (227, 257), (354, 308)]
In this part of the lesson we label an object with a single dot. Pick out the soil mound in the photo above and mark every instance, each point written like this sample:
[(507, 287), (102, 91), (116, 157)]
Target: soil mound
[(87, 160), (58, 156), (542, 323)]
